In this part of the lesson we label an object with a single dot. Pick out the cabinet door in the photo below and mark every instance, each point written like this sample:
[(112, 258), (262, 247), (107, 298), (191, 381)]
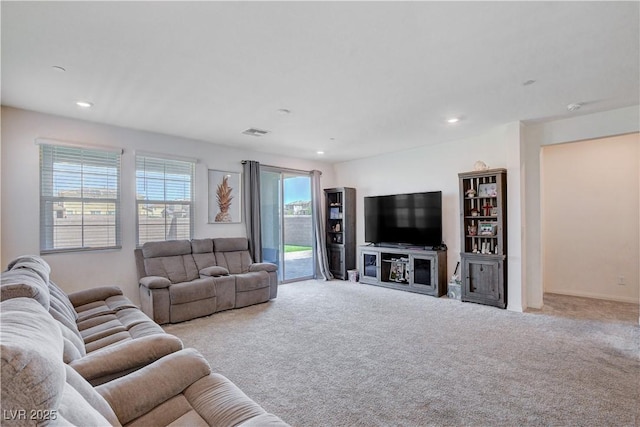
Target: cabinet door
[(369, 267), (483, 281), (422, 274), (336, 261)]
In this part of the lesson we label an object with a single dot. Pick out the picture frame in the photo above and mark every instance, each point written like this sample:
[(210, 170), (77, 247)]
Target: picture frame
[(487, 228), (494, 211), (488, 190), (224, 197)]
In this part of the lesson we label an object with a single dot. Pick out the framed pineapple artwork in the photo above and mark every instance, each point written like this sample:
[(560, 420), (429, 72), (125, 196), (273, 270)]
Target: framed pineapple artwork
[(224, 197)]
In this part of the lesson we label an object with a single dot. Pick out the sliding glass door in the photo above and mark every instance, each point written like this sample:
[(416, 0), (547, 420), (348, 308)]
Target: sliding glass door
[(286, 221)]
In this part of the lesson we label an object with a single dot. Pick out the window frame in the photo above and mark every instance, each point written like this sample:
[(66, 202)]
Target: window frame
[(166, 160), (85, 156)]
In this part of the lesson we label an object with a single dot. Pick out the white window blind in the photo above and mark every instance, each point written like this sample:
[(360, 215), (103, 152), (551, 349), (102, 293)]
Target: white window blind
[(164, 202), (79, 199)]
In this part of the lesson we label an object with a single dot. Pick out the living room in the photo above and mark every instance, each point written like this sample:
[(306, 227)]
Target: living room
[(425, 157)]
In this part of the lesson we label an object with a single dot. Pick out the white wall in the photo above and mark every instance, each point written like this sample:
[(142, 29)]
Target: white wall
[(536, 135), (436, 167), (514, 146), (76, 271), (590, 220)]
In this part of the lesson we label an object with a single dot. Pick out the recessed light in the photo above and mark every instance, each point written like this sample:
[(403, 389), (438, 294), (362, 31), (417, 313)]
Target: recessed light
[(575, 106), (453, 120), (59, 68), (320, 152), (255, 132), (84, 104)]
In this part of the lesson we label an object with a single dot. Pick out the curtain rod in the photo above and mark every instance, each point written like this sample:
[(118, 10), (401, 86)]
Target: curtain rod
[(283, 169)]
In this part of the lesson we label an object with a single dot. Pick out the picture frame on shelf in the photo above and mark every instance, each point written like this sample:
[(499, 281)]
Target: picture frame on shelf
[(487, 228), (488, 190), (494, 211), (224, 197)]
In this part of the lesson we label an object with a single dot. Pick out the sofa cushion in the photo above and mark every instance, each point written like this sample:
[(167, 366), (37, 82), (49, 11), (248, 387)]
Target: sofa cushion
[(166, 248), (203, 253), (235, 262), (33, 375), (179, 268), (230, 244), (181, 293), (61, 303), (33, 263), (154, 384), (79, 402), (35, 379), (201, 246), (251, 281), (24, 283)]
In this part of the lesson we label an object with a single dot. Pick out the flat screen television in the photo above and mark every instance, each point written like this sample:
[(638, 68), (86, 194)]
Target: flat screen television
[(404, 219)]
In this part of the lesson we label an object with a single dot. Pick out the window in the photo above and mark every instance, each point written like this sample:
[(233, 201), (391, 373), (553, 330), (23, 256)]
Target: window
[(164, 198), (79, 198)]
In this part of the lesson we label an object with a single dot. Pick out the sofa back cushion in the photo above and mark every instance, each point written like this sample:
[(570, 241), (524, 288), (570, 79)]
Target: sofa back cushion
[(34, 378), (232, 253), (171, 260), (202, 250), (29, 277), (33, 375), (24, 283)]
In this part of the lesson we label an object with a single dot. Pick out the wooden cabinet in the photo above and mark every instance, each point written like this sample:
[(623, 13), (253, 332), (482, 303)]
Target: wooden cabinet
[(413, 270), (483, 231), (341, 230)]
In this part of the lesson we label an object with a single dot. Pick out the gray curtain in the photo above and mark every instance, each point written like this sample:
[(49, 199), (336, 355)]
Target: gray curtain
[(251, 199), (318, 224)]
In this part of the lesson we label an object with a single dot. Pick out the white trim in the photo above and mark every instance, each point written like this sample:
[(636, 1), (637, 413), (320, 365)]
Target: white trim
[(47, 141), (593, 295), (165, 156)]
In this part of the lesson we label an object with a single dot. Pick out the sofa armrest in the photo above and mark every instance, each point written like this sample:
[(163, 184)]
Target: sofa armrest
[(214, 270), (137, 393), (263, 266), (155, 282), (117, 360), (95, 294)]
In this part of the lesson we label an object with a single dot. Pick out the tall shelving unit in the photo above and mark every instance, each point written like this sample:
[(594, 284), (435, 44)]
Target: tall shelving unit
[(483, 230), (341, 230)]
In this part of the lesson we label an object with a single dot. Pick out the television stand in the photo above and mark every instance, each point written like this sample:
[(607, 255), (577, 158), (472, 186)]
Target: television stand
[(408, 269)]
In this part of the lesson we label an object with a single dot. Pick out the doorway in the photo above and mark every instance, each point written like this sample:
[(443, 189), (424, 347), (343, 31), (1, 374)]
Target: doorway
[(286, 221)]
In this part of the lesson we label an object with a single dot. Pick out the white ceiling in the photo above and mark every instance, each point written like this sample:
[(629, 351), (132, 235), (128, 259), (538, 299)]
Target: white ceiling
[(360, 78)]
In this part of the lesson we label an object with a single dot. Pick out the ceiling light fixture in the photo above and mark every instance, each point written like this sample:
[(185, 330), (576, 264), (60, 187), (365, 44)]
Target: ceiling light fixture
[(320, 152), (453, 120), (255, 132), (575, 106), (84, 104)]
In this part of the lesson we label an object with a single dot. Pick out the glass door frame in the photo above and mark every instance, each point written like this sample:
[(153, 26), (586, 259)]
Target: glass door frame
[(281, 226)]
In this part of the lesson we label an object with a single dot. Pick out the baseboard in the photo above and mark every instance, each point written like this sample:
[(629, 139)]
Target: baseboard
[(593, 295)]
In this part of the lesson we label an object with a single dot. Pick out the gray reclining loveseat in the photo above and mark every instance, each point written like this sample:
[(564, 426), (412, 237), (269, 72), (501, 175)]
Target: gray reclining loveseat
[(181, 279)]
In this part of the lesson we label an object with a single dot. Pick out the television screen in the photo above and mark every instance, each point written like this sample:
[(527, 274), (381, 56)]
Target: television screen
[(405, 219)]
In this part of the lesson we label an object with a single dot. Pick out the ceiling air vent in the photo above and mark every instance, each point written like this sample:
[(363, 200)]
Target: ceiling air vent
[(255, 132)]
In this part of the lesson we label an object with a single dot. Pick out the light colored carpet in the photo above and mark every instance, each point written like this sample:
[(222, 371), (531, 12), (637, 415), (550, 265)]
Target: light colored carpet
[(345, 354)]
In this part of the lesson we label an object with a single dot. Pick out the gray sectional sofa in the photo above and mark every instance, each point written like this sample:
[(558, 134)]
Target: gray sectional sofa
[(98, 325), (94, 359), (181, 279)]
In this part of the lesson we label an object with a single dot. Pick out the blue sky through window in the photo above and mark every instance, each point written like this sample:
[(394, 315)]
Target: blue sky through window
[(297, 188)]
